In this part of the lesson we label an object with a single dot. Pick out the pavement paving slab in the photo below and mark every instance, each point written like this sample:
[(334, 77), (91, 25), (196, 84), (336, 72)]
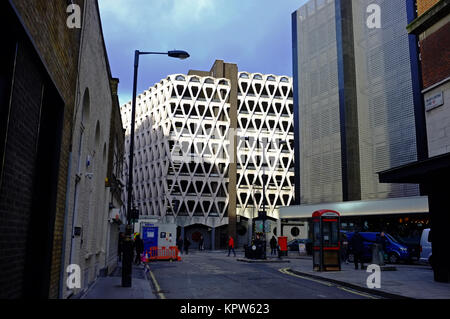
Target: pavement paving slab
[(411, 281), (110, 287)]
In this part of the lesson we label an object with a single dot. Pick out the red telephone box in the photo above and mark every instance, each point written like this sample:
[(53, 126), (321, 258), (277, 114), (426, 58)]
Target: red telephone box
[(326, 240)]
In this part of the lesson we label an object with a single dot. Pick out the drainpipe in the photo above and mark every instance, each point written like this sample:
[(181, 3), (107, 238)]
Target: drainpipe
[(63, 253)]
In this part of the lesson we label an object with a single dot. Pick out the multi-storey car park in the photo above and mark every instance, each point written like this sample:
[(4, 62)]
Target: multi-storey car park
[(203, 143)]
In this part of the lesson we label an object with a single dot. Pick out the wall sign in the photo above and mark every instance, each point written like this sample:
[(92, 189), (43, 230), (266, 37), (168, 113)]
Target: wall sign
[(434, 101)]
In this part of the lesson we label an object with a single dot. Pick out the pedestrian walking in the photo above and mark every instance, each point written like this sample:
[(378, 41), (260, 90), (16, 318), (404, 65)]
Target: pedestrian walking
[(344, 248), (139, 248), (187, 243), (120, 246), (180, 244), (273, 246), (357, 244), (279, 251), (200, 243), (231, 246), (382, 241)]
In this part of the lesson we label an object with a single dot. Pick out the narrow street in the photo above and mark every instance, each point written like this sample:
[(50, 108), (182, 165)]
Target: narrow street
[(213, 275)]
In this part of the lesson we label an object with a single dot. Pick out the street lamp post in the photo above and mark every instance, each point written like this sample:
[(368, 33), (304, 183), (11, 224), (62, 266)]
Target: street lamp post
[(263, 213), (128, 243)]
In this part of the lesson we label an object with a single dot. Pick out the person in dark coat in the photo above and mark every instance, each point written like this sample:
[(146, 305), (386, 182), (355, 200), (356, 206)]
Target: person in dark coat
[(357, 244), (139, 247), (187, 243), (382, 241), (120, 246), (200, 244), (180, 244), (344, 248), (273, 246)]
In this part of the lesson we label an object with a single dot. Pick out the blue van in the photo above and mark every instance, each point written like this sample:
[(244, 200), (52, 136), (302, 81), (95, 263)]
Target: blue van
[(395, 251)]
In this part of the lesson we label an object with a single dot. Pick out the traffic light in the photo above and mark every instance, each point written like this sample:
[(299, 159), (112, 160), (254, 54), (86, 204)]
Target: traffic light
[(135, 214), (262, 214)]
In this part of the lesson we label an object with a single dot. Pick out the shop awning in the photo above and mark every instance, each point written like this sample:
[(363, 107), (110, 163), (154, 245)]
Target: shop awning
[(403, 205), (418, 172)]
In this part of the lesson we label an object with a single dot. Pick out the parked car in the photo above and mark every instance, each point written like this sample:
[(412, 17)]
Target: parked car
[(293, 245), (413, 245), (394, 249), (425, 247)]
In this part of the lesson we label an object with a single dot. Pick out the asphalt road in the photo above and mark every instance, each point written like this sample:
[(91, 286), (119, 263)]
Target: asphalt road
[(213, 275)]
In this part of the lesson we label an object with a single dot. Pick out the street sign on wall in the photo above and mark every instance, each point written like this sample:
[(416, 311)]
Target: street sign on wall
[(434, 101)]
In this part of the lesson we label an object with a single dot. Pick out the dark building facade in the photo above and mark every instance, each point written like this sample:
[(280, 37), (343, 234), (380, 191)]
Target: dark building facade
[(37, 94), (429, 29)]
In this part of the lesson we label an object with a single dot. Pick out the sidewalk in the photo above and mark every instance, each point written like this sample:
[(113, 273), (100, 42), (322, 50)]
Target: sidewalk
[(111, 287), (412, 281)]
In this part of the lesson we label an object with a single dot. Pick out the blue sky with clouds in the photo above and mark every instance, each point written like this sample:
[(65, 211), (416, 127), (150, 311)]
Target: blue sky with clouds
[(255, 34)]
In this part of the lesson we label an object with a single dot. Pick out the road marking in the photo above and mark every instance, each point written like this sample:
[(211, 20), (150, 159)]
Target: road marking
[(287, 272), (358, 293), (155, 283)]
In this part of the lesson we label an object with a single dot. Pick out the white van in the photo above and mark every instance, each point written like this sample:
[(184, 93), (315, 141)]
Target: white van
[(425, 247)]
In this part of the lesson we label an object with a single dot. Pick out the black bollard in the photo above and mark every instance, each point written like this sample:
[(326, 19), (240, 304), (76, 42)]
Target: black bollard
[(127, 263)]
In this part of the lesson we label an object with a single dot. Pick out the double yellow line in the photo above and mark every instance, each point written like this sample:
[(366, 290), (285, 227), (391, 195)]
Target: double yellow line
[(287, 271), (155, 284)]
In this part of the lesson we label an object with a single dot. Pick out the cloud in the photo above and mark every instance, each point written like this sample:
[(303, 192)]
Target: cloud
[(255, 34)]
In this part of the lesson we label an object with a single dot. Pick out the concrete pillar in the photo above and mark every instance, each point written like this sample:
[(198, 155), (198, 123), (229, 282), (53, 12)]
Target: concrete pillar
[(213, 238), (230, 71)]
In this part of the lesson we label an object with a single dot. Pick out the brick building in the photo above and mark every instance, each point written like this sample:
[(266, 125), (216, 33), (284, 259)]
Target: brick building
[(114, 183), (92, 192), (41, 91), (37, 94), (429, 30)]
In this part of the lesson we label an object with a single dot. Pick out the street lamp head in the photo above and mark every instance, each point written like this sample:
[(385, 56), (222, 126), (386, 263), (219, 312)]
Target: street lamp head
[(178, 54)]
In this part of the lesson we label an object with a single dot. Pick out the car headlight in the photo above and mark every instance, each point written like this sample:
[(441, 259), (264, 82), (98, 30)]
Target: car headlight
[(404, 249)]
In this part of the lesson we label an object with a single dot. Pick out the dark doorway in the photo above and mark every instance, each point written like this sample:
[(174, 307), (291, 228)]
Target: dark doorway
[(40, 238)]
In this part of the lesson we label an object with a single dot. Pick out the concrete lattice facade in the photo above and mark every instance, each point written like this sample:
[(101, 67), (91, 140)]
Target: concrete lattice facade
[(184, 145), (181, 146), (265, 119)]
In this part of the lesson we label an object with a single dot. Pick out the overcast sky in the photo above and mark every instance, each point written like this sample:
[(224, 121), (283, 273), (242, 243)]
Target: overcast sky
[(255, 34)]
